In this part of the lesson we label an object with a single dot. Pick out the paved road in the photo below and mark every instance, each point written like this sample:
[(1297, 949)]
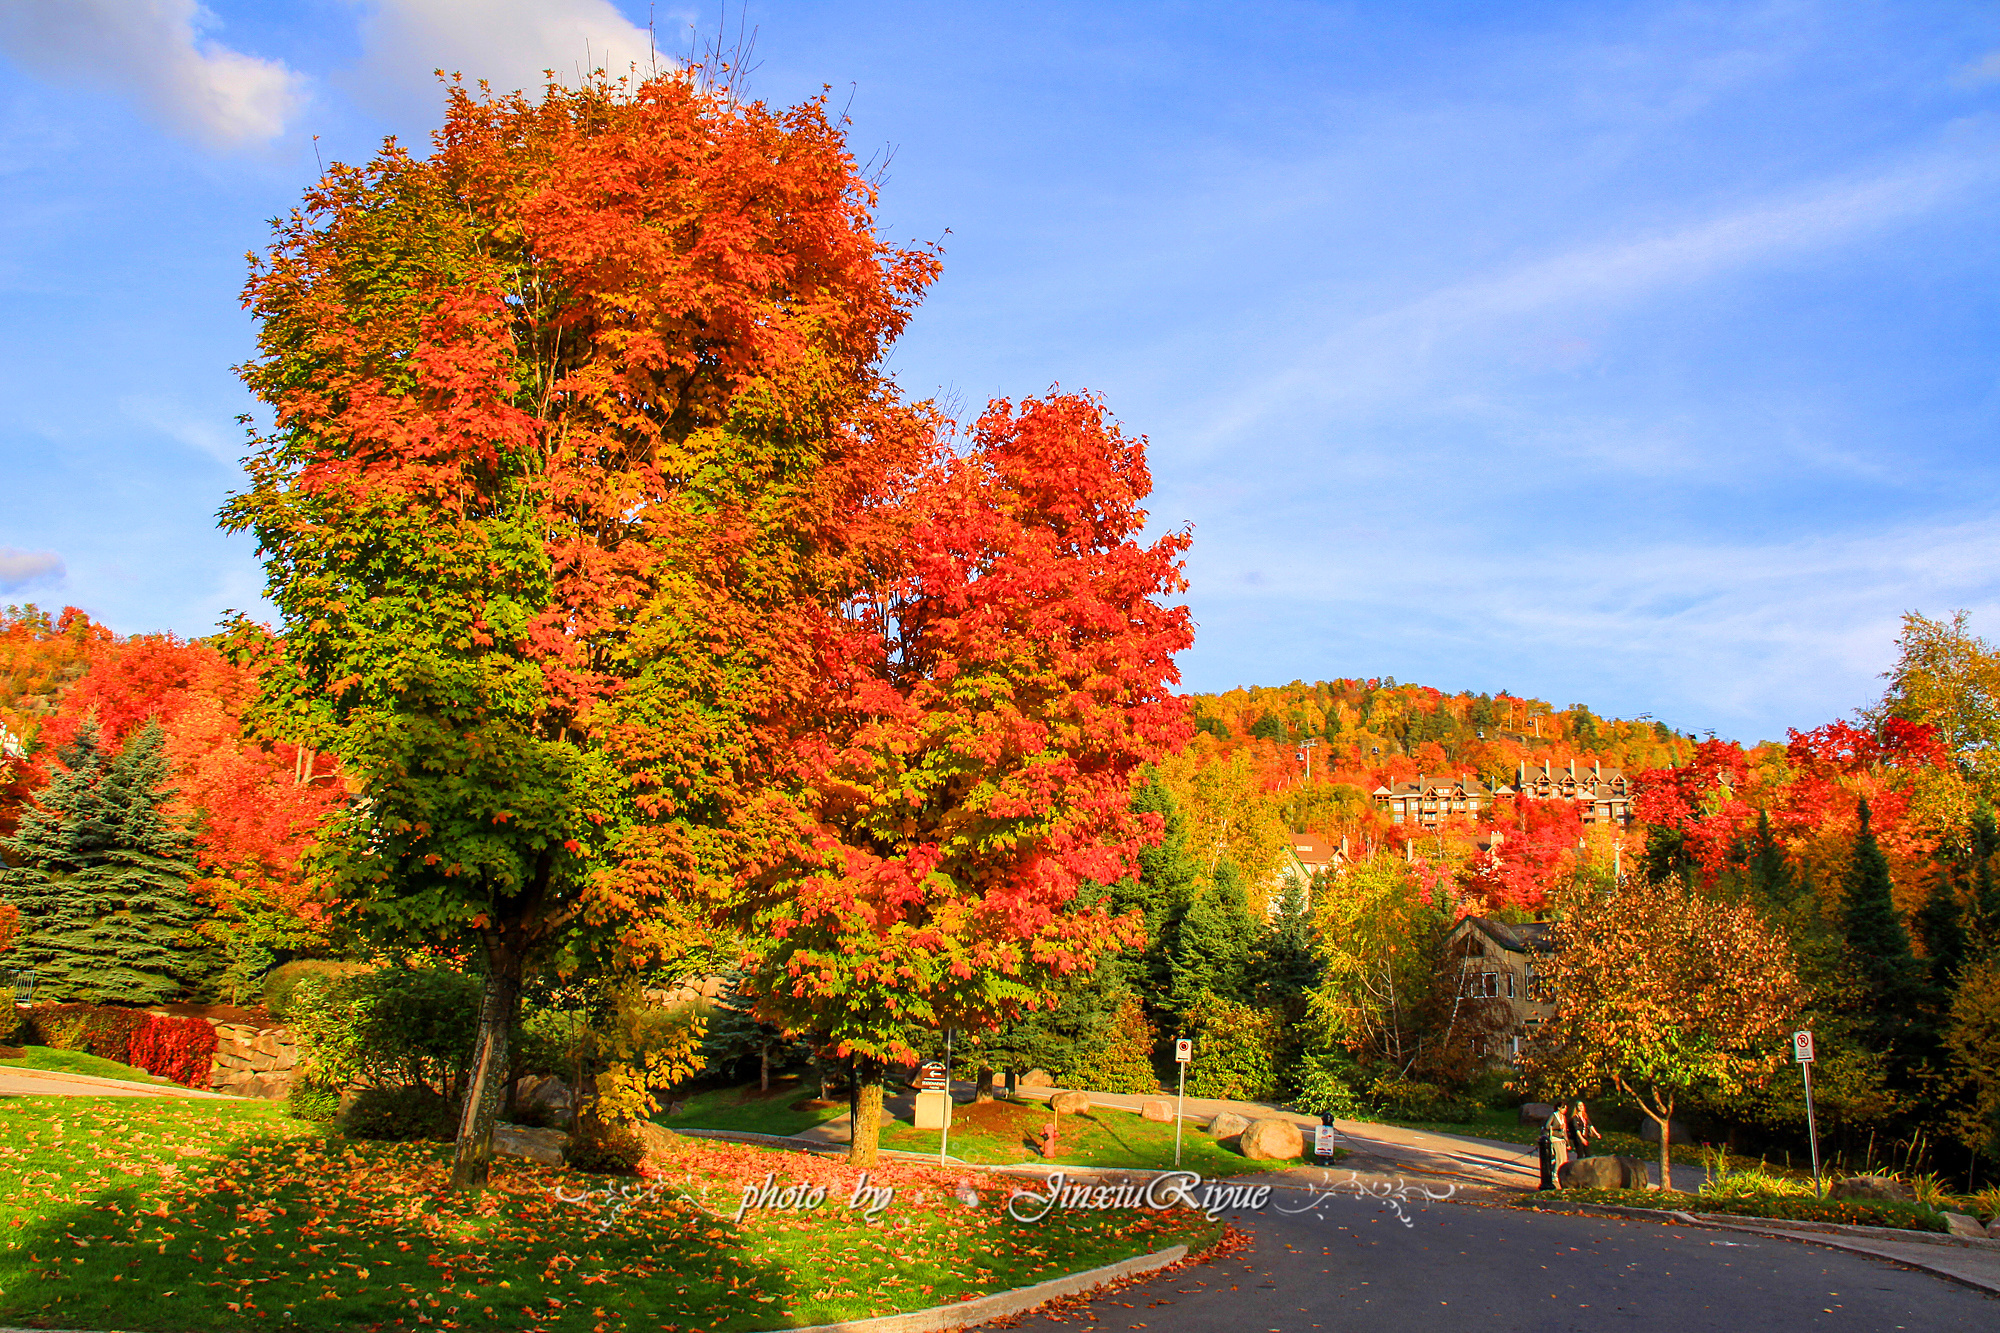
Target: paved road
[(1354, 1264), (16, 1081)]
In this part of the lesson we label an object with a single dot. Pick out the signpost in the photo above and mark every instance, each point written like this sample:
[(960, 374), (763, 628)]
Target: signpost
[(943, 1085), (1802, 1051), (1183, 1052)]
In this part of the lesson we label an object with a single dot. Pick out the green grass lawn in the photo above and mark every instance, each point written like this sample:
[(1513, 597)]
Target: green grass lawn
[(162, 1215), (80, 1062), (1001, 1133), (786, 1109)]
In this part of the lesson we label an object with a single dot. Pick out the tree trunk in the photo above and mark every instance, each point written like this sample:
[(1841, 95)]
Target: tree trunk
[(1666, 1146), (867, 1118), (473, 1161), (983, 1090), (764, 1066)]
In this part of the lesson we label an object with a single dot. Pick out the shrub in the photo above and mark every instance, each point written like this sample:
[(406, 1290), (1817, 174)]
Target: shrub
[(1235, 1054), (604, 1147), (399, 1115), (1323, 1090), (1397, 1098), (397, 1027), (282, 982), (309, 1099), (102, 1030), (182, 1049), (1127, 1064)]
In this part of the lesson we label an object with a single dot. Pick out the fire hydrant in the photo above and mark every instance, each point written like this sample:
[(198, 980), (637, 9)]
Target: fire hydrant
[(1049, 1140)]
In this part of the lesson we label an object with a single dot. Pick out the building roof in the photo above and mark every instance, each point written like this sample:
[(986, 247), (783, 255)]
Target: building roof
[(1514, 937), (1312, 851), (1447, 785)]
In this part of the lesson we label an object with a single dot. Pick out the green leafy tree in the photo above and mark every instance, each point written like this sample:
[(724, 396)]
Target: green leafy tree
[(1940, 925), (1664, 994), (1235, 1050), (1167, 883), (100, 877)]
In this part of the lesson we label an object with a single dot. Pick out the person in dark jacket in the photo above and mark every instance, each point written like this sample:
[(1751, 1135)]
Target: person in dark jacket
[(1581, 1132)]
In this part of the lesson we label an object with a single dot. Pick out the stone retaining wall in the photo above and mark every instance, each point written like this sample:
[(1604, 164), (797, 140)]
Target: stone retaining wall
[(252, 1061)]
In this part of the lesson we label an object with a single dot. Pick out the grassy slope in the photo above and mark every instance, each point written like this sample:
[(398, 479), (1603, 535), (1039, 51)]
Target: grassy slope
[(1908, 1216), (80, 1062), (176, 1214), (1506, 1126), (784, 1111)]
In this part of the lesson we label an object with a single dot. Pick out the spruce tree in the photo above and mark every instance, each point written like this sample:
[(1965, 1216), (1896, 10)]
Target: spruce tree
[(1212, 949), (1284, 967), (1168, 881), (100, 875), (1940, 927), (1892, 998), (1772, 881), (1985, 887)]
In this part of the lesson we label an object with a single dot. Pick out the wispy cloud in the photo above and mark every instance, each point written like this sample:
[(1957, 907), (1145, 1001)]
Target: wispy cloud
[(507, 43), (25, 569), (1409, 349), (155, 50), (1723, 629)]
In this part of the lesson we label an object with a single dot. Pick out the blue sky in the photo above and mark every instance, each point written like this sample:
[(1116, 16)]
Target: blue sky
[(1639, 355)]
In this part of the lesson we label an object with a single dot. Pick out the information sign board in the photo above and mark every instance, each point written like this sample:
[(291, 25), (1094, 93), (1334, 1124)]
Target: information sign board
[(1802, 1047), (932, 1077), (1323, 1144), (1184, 1050)]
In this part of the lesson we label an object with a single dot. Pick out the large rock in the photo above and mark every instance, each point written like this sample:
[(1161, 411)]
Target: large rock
[(537, 1145), (1272, 1140), (1602, 1173), (1157, 1108), (1228, 1125), (1070, 1103), (1038, 1078), (1649, 1130), (1535, 1113), (551, 1096), (1961, 1225), (1872, 1189)]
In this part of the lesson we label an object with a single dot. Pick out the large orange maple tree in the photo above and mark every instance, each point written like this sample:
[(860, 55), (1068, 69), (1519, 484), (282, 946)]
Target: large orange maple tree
[(991, 698), (573, 421)]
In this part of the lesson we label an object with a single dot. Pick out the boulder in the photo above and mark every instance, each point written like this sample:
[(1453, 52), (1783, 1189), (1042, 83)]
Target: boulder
[(1070, 1103), (1602, 1173), (1157, 1108), (1272, 1140), (1961, 1225), (1649, 1130), (1534, 1113), (537, 1145), (1227, 1125), (1872, 1189), (1038, 1078), (550, 1095)]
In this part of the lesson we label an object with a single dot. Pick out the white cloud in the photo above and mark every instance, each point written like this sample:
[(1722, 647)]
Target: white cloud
[(22, 569), (1984, 70), (198, 431), (508, 43), (154, 50)]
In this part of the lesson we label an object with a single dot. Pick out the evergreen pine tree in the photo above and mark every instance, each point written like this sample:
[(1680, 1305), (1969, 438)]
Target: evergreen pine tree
[(1892, 996), (1985, 887), (1940, 928), (1166, 886), (1772, 882), (100, 875), (1212, 949), (1284, 966)]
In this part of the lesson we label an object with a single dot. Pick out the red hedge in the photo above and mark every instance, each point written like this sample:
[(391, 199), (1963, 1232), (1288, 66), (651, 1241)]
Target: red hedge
[(181, 1049)]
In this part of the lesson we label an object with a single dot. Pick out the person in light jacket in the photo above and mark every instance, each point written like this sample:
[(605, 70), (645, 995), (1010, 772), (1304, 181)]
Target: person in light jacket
[(1554, 1144)]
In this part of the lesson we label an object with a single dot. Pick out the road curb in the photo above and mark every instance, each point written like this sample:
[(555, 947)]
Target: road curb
[(1831, 1235), (965, 1314)]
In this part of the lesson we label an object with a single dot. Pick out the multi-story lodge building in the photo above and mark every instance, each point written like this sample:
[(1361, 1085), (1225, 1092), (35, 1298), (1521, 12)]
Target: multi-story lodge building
[(1500, 961), (1429, 801), (1603, 793)]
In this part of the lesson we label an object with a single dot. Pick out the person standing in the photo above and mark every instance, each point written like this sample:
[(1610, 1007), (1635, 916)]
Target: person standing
[(1581, 1132), (1555, 1138)]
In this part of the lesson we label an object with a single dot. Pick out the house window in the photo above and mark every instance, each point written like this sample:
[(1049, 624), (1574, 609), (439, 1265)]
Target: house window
[(1510, 985), (1516, 1047)]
